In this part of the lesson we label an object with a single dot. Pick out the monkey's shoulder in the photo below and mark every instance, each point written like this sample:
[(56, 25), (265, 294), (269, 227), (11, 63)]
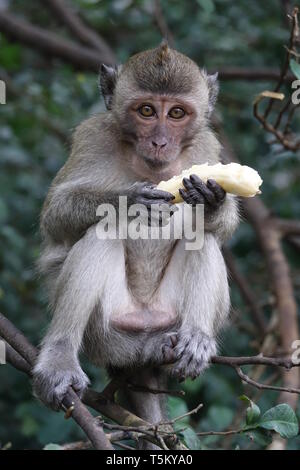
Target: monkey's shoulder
[(99, 127), (93, 143)]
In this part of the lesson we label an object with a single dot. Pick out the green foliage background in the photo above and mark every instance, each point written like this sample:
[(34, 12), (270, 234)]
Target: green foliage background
[(51, 99)]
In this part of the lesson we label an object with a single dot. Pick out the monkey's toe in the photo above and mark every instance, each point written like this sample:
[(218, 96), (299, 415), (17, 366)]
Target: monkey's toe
[(170, 341), (158, 350), (194, 352), (51, 388)]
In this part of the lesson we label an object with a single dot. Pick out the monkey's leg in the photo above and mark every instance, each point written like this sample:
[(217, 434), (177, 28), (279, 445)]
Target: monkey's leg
[(196, 283), (82, 282), (92, 279)]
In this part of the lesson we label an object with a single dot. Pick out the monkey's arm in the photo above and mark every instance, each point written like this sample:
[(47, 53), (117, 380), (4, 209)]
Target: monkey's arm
[(71, 209), (224, 220), (69, 212)]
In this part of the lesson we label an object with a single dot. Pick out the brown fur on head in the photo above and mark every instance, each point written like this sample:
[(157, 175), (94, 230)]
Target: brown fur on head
[(163, 79), (163, 70)]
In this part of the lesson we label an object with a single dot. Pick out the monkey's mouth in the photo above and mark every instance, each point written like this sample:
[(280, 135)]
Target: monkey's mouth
[(157, 164)]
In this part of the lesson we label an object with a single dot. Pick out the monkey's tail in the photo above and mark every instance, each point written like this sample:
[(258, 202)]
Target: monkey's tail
[(148, 406)]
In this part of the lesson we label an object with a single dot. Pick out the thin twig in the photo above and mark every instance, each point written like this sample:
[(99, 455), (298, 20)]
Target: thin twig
[(189, 413), (293, 36), (162, 23), (282, 136), (261, 386), (220, 433)]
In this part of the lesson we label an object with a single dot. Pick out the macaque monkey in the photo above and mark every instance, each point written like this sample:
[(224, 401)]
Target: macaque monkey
[(135, 305)]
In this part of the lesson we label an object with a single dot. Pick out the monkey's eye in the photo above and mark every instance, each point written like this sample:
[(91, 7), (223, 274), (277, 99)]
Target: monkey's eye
[(177, 113), (146, 110)]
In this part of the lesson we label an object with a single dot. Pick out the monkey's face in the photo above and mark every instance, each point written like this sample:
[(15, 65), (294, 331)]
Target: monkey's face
[(159, 128)]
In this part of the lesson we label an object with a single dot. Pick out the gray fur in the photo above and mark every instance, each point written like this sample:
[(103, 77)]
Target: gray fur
[(90, 280)]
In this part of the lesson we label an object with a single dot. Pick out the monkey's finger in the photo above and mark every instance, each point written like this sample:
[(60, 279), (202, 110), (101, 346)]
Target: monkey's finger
[(194, 196), (77, 387), (191, 197), (185, 196), (203, 189), (217, 189), (154, 193), (187, 184)]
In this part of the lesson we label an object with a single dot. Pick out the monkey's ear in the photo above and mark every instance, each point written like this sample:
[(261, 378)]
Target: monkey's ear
[(108, 79), (213, 90)]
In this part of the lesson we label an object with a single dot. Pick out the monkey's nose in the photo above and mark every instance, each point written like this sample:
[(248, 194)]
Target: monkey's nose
[(159, 144)]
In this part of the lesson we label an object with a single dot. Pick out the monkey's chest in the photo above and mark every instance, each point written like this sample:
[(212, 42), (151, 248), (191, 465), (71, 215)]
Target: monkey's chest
[(146, 261)]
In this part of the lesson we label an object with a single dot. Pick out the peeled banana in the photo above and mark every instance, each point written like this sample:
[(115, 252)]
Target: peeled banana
[(233, 177)]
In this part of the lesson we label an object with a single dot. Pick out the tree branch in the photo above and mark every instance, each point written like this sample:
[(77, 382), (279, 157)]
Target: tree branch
[(161, 23), (288, 226), (246, 291), (86, 59), (51, 44), (283, 136), (86, 35), (245, 378), (269, 236), (23, 355), (252, 74)]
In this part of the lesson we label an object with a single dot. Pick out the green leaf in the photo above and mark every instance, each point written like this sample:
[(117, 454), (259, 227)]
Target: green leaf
[(53, 447), (260, 436), (281, 419), (252, 412), (295, 68), (191, 439), (178, 407)]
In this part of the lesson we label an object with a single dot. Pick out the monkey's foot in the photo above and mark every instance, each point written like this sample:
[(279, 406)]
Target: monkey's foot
[(51, 386), (144, 321), (194, 351), (159, 349)]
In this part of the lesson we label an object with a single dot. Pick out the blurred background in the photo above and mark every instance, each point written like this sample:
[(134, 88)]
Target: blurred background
[(49, 91)]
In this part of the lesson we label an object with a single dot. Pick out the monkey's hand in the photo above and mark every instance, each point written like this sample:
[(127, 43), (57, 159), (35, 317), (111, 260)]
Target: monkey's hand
[(197, 192), (193, 352), (52, 380), (157, 203)]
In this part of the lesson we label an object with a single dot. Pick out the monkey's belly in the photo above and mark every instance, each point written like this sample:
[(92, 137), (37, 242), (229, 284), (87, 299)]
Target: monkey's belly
[(146, 262)]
